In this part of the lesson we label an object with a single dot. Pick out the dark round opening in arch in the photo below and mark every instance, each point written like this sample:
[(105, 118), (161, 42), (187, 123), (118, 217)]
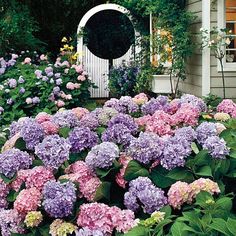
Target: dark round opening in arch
[(109, 34)]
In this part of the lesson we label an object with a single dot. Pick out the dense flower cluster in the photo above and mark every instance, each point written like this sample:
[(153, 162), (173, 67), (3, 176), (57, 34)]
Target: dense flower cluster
[(142, 191), (76, 161), (13, 160), (53, 151), (82, 138), (102, 155), (59, 199), (181, 192), (98, 216), (227, 106)]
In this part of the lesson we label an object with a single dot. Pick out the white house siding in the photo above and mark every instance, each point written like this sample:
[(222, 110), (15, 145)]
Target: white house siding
[(216, 81), (193, 83)]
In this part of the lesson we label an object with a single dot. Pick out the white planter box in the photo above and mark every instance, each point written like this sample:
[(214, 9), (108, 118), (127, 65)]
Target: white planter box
[(161, 83)]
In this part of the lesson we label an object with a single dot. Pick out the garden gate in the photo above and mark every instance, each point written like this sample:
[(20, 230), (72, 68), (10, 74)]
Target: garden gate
[(97, 67)]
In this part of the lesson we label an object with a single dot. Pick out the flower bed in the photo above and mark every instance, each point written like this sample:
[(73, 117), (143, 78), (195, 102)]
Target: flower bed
[(31, 84), (133, 167)]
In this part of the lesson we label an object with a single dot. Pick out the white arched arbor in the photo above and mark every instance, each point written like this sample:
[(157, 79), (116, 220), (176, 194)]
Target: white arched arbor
[(96, 67)]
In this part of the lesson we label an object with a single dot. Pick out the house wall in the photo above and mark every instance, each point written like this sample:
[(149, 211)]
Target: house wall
[(216, 79), (193, 83)]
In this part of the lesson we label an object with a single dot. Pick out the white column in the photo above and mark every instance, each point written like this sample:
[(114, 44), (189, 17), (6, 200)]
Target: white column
[(206, 53)]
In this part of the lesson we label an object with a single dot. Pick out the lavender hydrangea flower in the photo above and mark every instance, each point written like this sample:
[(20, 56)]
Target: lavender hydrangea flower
[(13, 160), (129, 105), (216, 147), (38, 74), (187, 133), (57, 75), (118, 134), (65, 119), (22, 90), (102, 155), (48, 70), (21, 80), (58, 81), (16, 126), (146, 148), (176, 150), (90, 121), (32, 133), (126, 120), (12, 83), (56, 90), (10, 221), (45, 78), (59, 198), (53, 151), (114, 103), (10, 101), (142, 193), (195, 101), (88, 232), (155, 104), (35, 100), (1, 110), (2, 71), (82, 138), (204, 131)]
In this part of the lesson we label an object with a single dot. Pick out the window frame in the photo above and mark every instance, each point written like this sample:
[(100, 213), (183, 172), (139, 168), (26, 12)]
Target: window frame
[(221, 19)]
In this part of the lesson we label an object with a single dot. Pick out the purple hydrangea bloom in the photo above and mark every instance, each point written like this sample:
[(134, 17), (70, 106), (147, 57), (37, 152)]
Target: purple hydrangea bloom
[(118, 134), (102, 155), (216, 147), (143, 193), (53, 151), (176, 150), (58, 81), (57, 75), (16, 126), (88, 232), (146, 148), (22, 90), (155, 104), (65, 119), (59, 198), (2, 71), (12, 83), (204, 131), (97, 111), (21, 80), (1, 110), (187, 133), (13, 160), (126, 120), (45, 78), (11, 62), (90, 121), (82, 138), (129, 105), (38, 74), (10, 221), (114, 103), (56, 90), (195, 101), (32, 133), (10, 101), (35, 100), (50, 74), (48, 70), (4, 191)]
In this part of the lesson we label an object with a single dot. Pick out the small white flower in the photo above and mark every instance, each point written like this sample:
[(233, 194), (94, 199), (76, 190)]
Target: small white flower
[(228, 41)]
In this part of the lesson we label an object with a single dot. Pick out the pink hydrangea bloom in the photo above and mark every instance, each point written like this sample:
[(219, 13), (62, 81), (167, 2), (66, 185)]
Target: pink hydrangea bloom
[(140, 99), (43, 57), (27, 61), (80, 112), (4, 190), (50, 128), (227, 106), (88, 182), (178, 194), (142, 121), (81, 78), (42, 117), (38, 176), (70, 86), (20, 179), (174, 106), (187, 115), (98, 216), (220, 128), (203, 185), (124, 161), (59, 103), (27, 200), (79, 68), (28, 100)]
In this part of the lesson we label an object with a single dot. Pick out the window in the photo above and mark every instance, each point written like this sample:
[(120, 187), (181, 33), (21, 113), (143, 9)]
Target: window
[(227, 19)]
